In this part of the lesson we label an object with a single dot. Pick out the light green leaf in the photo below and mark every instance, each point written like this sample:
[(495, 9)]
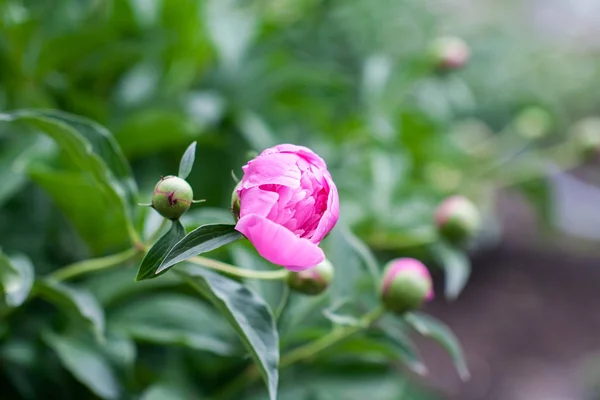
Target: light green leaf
[(431, 327), (151, 262), (201, 240), (86, 364), (174, 319), (164, 391), (74, 301), (456, 265), (249, 315), (187, 161), (16, 279)]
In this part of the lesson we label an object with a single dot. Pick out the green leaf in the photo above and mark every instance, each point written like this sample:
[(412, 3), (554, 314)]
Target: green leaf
[(187, 161), (174, 319), (16, 279), (155, 256), (201, 240), (163, 391), (249, 315), (457, 268), (92, 150), (431, 327), (206, 215), (74, 301), (74, 195), (86, 364)]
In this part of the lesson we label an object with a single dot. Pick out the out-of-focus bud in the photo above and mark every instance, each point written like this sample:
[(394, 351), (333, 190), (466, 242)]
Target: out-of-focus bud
[(406, 285), (312, 281), (172, 197), (449, 52), (457, 219), (533, 123), (586, 134)]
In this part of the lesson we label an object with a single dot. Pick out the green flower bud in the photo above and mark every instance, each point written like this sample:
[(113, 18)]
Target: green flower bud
[(533, 123), (172, 197), (406, 285), (235, 203), (312, 281), (457, 219), (586, 134)]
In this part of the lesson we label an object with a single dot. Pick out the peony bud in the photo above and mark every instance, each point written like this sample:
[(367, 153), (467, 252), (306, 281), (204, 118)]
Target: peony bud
[(406, 285), (457, 219), (312, 281), (449, 52), (172, 197), (586, 134), (533, 123)]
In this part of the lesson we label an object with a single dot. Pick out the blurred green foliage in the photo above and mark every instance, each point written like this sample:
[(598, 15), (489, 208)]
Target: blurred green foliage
[(350, 79)]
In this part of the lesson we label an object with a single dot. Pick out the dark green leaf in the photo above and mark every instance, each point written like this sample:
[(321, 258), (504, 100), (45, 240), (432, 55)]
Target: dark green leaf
[(457, 268), (173, 319), (187, 161), (155, 256), (86, 364), (249, 315), (78, 199), (16, 279), (74, 301), (113, 183), (201, 240), (429, 326)]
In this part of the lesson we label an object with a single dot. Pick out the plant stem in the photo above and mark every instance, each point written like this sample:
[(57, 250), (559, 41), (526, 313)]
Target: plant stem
[(95, 264), (300, 353), (312, 348), (233, 270)]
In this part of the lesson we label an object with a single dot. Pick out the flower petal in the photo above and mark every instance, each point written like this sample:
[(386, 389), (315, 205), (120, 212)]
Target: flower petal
[(279, 245), (280, 169), (302, 151), (331, 214), (257, 201)]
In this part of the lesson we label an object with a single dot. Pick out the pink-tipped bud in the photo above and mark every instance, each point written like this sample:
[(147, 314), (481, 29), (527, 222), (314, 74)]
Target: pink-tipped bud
[(406, 285), (449, 53), (312, 281), (457, 219), (172, 197), (586, 134)]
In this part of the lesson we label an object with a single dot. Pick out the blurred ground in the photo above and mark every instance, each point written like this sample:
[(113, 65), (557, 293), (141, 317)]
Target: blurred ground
[(526, 319)]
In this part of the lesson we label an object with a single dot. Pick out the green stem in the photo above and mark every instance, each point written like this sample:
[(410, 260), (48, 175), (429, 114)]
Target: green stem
[(312, 348), (300, 353), (95, 264), (243, 273)]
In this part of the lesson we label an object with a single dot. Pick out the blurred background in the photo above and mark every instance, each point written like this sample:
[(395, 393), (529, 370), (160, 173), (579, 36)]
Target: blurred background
[(365, 84)]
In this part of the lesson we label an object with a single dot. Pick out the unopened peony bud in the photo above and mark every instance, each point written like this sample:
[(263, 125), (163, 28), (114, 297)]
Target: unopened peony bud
[(586, 134), (457, 219), (312, 281), (406, 285), (449, 53), (533, 123), (172, 197)]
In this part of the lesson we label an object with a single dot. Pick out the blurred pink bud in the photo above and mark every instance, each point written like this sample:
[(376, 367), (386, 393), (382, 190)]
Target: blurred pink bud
[(457, 219), (406, 285), (450, 52), (287, 204)]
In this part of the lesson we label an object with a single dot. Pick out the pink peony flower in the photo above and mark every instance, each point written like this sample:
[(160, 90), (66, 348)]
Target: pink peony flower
[(287, 203)]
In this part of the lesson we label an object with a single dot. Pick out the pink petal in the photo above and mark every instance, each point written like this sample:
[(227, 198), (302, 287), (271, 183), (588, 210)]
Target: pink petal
[(280, 169), (279, 245), (331, 214), (302, 151), (257, 201)]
